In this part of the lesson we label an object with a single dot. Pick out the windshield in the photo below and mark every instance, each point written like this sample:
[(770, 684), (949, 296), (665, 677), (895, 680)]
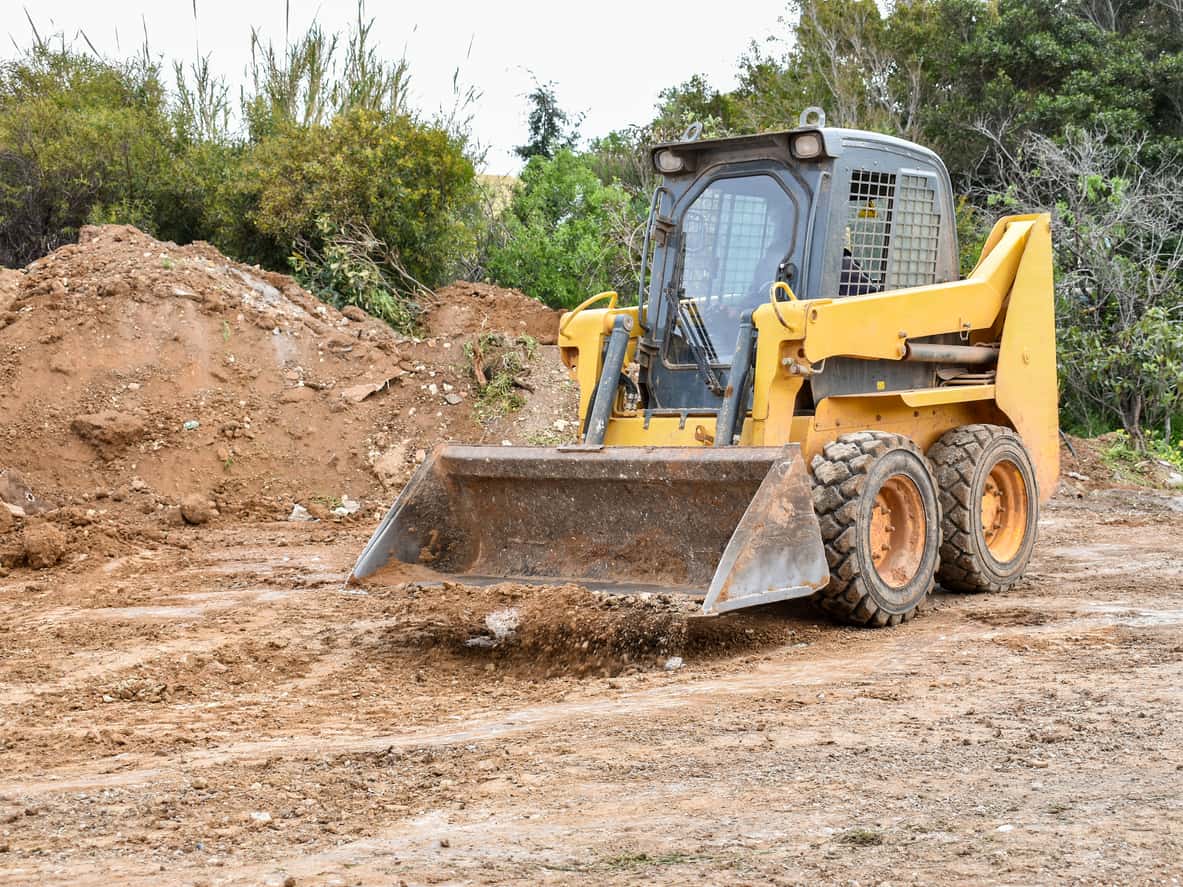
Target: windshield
[(735, 237)]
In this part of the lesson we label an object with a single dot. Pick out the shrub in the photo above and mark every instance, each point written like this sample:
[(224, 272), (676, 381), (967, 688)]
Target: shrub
[(80, 140), (568, 235), (406, 180), (353, 267)]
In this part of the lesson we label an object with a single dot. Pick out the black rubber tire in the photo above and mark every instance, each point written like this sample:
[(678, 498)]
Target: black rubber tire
[(963, 459), (848, 476)]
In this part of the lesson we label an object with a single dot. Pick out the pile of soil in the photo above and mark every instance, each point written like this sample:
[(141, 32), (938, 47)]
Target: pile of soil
[(560, 629), (563, 629), (463, 307), (136, 376), (1084, 467)]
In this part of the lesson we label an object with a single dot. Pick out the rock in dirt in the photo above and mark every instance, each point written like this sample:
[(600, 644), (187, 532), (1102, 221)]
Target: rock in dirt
[(15, 492), (300, 513), (347, 507), (391, 467), (44, 545), (196, 509), (109, 432)]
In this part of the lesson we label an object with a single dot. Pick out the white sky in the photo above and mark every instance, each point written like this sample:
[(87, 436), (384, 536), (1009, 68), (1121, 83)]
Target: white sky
[(608, 58)]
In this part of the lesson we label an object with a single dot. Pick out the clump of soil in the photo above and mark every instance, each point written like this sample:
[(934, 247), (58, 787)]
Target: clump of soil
[(10, 287), (566, 629), (43, 545), (468, 308), (136, 373)]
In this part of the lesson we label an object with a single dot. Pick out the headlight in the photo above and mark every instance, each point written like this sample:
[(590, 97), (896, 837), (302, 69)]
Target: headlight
[(807, 145), (667, 162)]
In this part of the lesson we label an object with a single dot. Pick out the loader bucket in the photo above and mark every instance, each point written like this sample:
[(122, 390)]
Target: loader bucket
[(735, 525)]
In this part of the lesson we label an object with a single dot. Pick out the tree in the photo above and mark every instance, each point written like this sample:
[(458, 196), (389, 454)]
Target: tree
[(1119, 273), (569, 235), (551, 129), (80, 140)]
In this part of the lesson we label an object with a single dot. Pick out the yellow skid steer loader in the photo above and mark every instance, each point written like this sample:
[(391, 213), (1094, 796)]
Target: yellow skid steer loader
[(806, 400)]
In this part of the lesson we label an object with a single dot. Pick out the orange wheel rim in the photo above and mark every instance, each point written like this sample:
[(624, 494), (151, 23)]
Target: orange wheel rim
[(898, 531), (1004, 511)]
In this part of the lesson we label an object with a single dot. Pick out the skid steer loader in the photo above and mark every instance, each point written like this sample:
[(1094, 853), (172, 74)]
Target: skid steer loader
[(806, 400)]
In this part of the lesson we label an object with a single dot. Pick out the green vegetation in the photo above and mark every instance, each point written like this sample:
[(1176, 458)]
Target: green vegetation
[(498, 364), (321, 167), (568, 235), (1136, 464), (326, 148), (354, 267)]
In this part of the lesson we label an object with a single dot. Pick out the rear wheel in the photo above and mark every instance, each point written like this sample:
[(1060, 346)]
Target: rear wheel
[(876, 502), (990, 502)]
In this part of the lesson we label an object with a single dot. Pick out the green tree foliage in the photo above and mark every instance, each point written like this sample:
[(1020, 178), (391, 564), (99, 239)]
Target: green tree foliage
[(401, 178), (566, 234), (326, 134), (80, 140), (551, 129), (971, 79), (1119, 274)]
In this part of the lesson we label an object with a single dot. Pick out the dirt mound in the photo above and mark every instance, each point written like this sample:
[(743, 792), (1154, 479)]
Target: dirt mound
[(566, 629), (464, 308), (1105, 462), (10, 286), (135, 373)]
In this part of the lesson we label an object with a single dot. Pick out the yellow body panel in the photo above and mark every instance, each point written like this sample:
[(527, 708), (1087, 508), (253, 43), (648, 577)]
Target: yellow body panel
[(1008, 298)]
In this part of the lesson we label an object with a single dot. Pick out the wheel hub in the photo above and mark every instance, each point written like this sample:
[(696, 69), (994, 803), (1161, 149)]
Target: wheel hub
[(1004, 511), (897, 531)]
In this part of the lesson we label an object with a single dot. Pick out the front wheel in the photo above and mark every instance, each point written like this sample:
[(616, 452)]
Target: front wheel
[(876, 501), (990, 502)]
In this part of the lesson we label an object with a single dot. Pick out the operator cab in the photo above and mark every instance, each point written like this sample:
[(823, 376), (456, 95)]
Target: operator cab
[(826, 212)]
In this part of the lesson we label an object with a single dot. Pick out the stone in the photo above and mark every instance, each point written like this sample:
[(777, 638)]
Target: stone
[(391, 466), (196, 509), (355, 314), (44, 545), (109, 432), (300, 513), (453, 399)]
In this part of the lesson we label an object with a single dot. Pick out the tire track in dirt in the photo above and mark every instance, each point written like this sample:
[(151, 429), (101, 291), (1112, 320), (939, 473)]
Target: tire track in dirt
[(905, 654)]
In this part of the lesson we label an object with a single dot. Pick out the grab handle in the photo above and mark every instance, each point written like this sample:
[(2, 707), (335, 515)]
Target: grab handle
[(611, 295)]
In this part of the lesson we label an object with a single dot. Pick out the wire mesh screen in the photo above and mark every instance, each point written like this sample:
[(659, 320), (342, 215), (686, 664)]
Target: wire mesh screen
[(917, 229), (868, 229), (726, 235), (892, 232)]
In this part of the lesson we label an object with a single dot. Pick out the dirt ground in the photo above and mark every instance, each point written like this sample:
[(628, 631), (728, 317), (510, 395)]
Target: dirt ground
[(219, 710), (189, 693)]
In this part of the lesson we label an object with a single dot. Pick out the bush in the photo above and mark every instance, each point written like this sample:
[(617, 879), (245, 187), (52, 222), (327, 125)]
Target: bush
[(569, 236), (81, 140), (407, 181), (328, 137), (355, 268), (1119, 275)]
